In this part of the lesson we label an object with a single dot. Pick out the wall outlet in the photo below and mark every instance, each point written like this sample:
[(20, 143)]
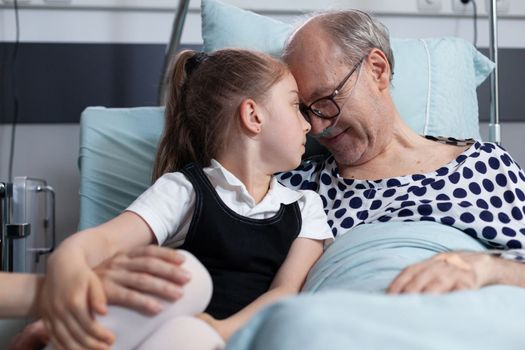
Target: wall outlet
[(468, 8), (459, 7), (429, 6), (57, 2), (20, 2)]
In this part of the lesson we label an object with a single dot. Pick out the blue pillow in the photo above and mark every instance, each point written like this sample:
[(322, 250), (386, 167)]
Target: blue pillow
[(435, 80), (117, 151)]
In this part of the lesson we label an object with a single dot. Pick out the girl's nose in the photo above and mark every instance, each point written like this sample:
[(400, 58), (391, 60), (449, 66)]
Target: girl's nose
[(307, 126)]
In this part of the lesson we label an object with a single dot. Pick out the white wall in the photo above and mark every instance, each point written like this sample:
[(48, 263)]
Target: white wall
[(49, 151)]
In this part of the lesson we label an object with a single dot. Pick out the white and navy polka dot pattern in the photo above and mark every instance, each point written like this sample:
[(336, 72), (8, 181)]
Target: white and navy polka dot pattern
[(481, 192)]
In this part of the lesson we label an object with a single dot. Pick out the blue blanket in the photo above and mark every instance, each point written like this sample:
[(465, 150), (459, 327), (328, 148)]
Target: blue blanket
[(344, 305)]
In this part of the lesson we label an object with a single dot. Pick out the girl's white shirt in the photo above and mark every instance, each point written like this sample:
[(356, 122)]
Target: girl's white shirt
[(168, 205)]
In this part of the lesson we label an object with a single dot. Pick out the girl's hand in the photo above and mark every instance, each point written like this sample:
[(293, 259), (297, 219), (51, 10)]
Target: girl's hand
[(71, 290), (445, 272), (133, 279)]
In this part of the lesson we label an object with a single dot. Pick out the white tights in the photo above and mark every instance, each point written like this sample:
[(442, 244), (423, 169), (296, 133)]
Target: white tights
[(174, 327)]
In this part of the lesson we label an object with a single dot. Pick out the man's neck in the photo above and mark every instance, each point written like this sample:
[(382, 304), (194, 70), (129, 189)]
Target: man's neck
[(400, 149)]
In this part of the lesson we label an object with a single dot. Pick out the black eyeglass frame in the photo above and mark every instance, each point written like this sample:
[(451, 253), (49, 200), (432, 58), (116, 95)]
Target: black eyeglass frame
[(305, 110)]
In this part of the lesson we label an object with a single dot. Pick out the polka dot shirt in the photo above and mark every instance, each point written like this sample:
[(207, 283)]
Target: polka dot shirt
[(481, 192)]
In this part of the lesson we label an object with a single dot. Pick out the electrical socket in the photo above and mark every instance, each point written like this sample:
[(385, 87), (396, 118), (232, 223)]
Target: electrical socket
[(58, 2), (429, 6), (459, 7), (20, 2), (468, 8)]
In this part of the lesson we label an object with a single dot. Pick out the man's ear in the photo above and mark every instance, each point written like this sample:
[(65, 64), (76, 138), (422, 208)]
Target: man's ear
[(379, 67), (251, 118)]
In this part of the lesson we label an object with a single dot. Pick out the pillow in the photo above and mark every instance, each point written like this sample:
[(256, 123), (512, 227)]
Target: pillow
[(117, 150), (435, 80)]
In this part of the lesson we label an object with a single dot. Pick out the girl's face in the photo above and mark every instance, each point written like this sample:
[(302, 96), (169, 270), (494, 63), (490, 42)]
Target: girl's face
[(284, 133)]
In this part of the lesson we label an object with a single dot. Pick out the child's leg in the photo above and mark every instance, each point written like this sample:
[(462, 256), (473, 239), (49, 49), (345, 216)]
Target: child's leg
[(131, 327), (184, 333)]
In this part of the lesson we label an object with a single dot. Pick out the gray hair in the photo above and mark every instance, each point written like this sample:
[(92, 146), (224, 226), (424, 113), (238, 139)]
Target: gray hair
[(356, 33)]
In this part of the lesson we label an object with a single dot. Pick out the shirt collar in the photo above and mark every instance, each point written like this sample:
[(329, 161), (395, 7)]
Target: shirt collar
[(277, 192)]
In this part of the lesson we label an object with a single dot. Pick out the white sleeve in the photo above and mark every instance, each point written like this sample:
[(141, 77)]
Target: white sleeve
[(314, 220), (167, 207)]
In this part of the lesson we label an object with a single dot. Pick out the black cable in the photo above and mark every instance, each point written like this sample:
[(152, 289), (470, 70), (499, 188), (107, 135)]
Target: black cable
[(15, 94)]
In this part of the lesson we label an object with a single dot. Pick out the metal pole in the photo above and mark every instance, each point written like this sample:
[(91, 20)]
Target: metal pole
[(494, 126), (176, 33), (6, 194), (3, 221)]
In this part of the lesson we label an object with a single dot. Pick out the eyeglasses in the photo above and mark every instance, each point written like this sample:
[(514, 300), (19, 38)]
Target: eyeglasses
[(326, 107)]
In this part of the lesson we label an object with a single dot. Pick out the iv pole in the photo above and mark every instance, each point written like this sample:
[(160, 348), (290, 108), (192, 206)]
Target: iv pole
[(176, 33), (494, 126)]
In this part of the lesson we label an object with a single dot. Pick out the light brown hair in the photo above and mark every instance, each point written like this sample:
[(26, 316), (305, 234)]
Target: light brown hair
[(204, 95)]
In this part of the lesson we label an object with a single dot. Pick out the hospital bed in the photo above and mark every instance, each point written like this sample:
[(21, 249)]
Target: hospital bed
[(434, 88)]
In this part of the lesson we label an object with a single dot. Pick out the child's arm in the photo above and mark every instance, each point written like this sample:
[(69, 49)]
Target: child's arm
[(18, 294), (72, 289), (303, 254)]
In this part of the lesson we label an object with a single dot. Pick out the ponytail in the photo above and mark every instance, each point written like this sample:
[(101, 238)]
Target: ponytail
[(176, 138)]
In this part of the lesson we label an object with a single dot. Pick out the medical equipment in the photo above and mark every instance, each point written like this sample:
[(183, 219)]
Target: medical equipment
[(27, 218)]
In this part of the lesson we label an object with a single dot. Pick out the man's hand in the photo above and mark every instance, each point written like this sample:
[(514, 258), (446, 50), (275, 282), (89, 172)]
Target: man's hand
[(446, 272), (130, 279)]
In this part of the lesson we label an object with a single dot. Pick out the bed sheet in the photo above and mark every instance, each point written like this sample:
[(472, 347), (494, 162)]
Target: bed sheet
[(344, 307)]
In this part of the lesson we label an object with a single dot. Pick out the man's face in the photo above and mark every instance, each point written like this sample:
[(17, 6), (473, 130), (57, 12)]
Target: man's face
[(318, 66)]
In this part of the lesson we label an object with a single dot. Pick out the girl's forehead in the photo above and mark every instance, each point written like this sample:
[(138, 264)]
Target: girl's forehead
[(287, 82)]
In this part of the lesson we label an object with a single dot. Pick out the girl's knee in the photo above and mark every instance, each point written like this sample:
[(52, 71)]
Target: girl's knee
[(200, 285)]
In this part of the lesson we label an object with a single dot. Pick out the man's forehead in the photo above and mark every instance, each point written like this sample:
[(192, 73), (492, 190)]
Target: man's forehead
[(316, 63), (316, 77)]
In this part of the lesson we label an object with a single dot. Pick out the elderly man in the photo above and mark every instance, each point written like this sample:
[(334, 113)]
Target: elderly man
[(381, 170)]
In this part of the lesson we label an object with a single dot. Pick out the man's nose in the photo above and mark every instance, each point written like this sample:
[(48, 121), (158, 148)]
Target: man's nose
[(318, 124)]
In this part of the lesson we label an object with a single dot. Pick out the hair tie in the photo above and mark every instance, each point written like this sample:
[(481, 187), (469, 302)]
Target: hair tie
[(194, 62)]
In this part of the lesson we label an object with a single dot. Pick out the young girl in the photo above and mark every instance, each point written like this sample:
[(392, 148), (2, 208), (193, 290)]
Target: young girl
[(232, 120)]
